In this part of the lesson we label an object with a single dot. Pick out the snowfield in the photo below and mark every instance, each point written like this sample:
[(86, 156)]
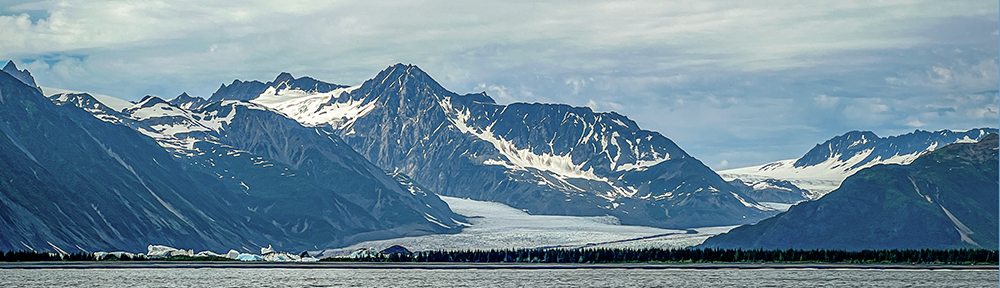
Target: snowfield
[(110, 101), (498, 226), (819, 179)]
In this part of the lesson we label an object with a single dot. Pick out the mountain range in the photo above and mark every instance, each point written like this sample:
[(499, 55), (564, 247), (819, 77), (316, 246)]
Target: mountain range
[(825, 166), (541, 158), (303, 164), (83, 176), (941, 200)]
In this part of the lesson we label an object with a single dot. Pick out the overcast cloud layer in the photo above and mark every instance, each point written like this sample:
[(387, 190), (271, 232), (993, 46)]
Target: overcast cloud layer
[(733, 83)]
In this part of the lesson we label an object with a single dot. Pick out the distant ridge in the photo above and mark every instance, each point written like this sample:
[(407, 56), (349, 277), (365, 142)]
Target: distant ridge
[(945, 199), (826, 165)]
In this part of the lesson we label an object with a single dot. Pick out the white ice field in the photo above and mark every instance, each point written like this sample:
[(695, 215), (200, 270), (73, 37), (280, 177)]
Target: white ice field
[(498, 226)]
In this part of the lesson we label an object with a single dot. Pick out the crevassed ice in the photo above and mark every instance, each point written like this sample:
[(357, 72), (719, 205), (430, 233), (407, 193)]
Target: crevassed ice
[(434, 220)]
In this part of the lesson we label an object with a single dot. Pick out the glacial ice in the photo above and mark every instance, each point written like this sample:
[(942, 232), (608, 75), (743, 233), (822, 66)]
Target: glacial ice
[(162, 251)]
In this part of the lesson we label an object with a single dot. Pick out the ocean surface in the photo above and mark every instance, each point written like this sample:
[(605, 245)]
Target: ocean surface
[(583, 277)]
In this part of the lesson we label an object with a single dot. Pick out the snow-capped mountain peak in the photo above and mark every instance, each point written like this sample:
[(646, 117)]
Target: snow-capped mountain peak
[(188, 102), (826, 165), (314, 108), (248, 90), (545, 158)]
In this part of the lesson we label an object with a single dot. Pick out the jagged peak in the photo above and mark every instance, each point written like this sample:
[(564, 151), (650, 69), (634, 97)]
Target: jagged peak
[(480, 97), (855, 133), (410, 79), (149, 101), (282, 77), (237, 82), (23, 75), (853, 142), (74, 95), (187, 101), (400, 70)]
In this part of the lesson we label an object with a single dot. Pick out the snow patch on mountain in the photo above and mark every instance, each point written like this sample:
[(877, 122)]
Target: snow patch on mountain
[(841, 161), (641, 164), (821, 178), (313, 109), (561, 165)]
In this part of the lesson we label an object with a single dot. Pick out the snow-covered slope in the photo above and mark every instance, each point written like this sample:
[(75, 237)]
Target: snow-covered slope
[(823, 168), (546, 159), (247, 90), (111, 102)]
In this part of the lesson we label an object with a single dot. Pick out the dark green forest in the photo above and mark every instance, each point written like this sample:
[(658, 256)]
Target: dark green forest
[(594, 256), (708, 255)]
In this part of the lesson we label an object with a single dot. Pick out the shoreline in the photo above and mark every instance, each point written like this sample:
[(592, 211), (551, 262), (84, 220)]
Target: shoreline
[(475, 266)]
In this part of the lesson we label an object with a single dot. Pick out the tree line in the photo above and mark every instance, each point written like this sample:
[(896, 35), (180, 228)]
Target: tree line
[(707, 255), (593, 256)]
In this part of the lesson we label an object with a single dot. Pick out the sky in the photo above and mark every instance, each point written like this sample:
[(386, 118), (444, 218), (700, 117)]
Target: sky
[(733, 83)]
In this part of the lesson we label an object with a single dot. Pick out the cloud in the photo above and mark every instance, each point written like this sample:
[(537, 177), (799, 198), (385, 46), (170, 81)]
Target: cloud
[(577, 84), (826, 101), (722, 164), (939, 75), (604, 105), (746, 74), (748, 35), (988, 112), (498, 92), (877, 108)]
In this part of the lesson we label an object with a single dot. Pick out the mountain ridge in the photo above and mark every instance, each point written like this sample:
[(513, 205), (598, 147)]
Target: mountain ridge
[(243, 129), (402, 120), (155, 173), (827, 164), (247, 90)]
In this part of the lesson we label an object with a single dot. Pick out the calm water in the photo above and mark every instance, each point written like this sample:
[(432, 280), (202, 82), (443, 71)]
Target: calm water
[(241, 277)]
